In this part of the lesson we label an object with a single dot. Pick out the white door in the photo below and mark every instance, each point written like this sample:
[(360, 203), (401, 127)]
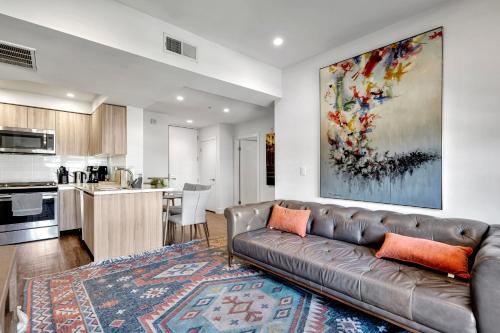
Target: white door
[(248, 171), (182, 156), (208, 169)]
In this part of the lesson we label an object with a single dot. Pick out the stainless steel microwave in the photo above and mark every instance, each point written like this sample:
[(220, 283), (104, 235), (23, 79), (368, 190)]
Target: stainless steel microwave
[(27, 141)]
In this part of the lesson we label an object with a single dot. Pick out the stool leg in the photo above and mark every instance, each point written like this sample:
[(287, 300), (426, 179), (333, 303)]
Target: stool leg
[(205, 226)]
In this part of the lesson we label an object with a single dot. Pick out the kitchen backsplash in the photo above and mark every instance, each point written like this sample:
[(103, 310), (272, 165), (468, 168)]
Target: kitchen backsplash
[(29, 168)]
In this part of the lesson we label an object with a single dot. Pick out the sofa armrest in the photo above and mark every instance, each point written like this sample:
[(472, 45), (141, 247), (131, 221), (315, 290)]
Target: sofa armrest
[(485, 288), (241, 219)]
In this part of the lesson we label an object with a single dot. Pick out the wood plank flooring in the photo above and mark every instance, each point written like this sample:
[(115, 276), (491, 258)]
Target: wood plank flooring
[(67, 252)]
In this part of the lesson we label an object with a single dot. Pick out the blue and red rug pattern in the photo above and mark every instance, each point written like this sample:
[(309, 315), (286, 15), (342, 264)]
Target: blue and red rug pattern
[(184, 288)]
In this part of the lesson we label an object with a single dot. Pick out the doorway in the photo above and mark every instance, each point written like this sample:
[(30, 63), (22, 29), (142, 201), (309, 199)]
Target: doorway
[(182, 156), (248, 170), (208, 169)]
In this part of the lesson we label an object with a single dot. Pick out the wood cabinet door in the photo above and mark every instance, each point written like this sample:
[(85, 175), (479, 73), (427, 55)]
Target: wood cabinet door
[(13, 115), (68, 209), (41, 118), (109, 130), (119, 130), (81, 126), (72, 133), (88, 222), (96, 131)]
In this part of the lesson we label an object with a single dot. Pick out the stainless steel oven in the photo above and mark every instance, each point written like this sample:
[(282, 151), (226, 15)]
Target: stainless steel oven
[(20, 229), (27, 141)]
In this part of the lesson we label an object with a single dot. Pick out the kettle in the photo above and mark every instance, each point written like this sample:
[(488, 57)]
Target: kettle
[(80, 177)]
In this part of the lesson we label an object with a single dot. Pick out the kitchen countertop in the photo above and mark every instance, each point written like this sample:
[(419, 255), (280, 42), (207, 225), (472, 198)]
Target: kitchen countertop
[(95, 189)]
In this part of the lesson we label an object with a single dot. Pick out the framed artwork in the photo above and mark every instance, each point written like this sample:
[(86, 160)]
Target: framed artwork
[(381, 124), (270, 159)]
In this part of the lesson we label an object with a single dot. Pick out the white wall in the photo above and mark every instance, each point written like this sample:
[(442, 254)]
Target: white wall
[(155, 144), (471, 138), (113, 24), (43, 101), (135, 139), (223, 133), (260, 127)]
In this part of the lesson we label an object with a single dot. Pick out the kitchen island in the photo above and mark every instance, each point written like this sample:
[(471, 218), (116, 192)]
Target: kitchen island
[(118, 222)]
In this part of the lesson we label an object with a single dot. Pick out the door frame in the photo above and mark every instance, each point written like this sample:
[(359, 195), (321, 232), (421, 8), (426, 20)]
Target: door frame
[(237, 159), (214, 188)]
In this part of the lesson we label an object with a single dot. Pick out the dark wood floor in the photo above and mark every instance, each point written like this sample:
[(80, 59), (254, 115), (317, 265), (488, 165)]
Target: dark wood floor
[(67, 252)]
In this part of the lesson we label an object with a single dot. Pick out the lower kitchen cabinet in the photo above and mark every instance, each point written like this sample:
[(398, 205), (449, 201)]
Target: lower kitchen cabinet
[(69, 209)]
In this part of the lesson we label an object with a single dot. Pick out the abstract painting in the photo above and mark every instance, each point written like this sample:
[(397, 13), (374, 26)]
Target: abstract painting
[(381, 124), (270, 159)]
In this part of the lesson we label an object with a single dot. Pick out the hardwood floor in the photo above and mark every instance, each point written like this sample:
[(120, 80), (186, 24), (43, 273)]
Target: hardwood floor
[(67, 252)]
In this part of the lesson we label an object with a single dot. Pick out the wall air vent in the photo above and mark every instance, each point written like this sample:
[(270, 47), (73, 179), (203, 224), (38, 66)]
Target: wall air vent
[(179, 47), (17, 55)]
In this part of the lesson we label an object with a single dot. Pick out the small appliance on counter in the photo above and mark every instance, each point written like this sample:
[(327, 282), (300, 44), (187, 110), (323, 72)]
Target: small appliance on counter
[(79, 177), (102, 173), (97, 173), (62, 175), (93, 175)]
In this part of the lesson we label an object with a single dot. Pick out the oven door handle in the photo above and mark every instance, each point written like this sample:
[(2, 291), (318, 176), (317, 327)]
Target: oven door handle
[(8, 197)]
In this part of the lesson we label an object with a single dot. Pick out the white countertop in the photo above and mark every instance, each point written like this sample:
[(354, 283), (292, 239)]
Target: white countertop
[(96, 189)]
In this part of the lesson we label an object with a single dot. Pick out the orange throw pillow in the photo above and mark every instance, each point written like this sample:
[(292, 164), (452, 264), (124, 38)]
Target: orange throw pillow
[(439, 256), (289, 220)]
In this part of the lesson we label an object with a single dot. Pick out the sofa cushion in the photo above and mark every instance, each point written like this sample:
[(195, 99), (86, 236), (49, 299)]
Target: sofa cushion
[(365, 227), (289, 220), (435, 255), (416, 294)]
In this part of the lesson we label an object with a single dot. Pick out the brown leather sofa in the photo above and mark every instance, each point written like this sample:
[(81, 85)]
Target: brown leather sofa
[(337, 259)]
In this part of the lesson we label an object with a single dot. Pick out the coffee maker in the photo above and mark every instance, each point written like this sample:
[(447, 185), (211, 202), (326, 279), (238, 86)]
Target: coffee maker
[(62, 175), (102, 173), (93, 174)]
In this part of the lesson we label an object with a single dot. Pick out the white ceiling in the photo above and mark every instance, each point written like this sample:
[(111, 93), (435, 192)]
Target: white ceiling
[(206, 109), (308, 27), (46, 89), (127, 79)]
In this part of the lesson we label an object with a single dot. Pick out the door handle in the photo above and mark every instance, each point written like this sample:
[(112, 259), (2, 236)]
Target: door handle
[(212, 179)]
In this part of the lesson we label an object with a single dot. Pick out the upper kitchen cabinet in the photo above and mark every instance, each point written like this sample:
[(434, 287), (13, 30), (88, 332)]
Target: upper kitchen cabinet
[(41, 119), (13, 115), (72, 133), (109, 130)]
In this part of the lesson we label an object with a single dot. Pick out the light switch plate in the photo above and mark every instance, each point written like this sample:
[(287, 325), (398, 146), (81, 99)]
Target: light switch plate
[(303, 171)]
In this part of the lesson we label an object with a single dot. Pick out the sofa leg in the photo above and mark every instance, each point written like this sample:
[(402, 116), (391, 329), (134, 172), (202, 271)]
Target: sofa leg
[(230, 260)]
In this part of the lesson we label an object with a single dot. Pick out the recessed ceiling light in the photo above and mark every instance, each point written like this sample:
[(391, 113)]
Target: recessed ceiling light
[(71, 95), (278, 41), (180, 98), (226, 110), (189, 121)]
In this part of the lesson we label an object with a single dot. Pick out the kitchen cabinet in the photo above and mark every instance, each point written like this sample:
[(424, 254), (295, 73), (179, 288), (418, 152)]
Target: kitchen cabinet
[(13, 115), (109, 130), (72, 133), (69, 209), (41, 118), (88, 222)]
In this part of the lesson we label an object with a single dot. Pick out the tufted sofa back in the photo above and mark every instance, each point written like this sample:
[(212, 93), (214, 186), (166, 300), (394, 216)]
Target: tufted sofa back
[(366, 227)]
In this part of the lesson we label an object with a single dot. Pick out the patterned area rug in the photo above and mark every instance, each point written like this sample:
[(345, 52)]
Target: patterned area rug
[(182, 288)]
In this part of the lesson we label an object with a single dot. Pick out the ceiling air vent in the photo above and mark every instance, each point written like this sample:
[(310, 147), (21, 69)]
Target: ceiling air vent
[(17, 55), (179, 47)]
